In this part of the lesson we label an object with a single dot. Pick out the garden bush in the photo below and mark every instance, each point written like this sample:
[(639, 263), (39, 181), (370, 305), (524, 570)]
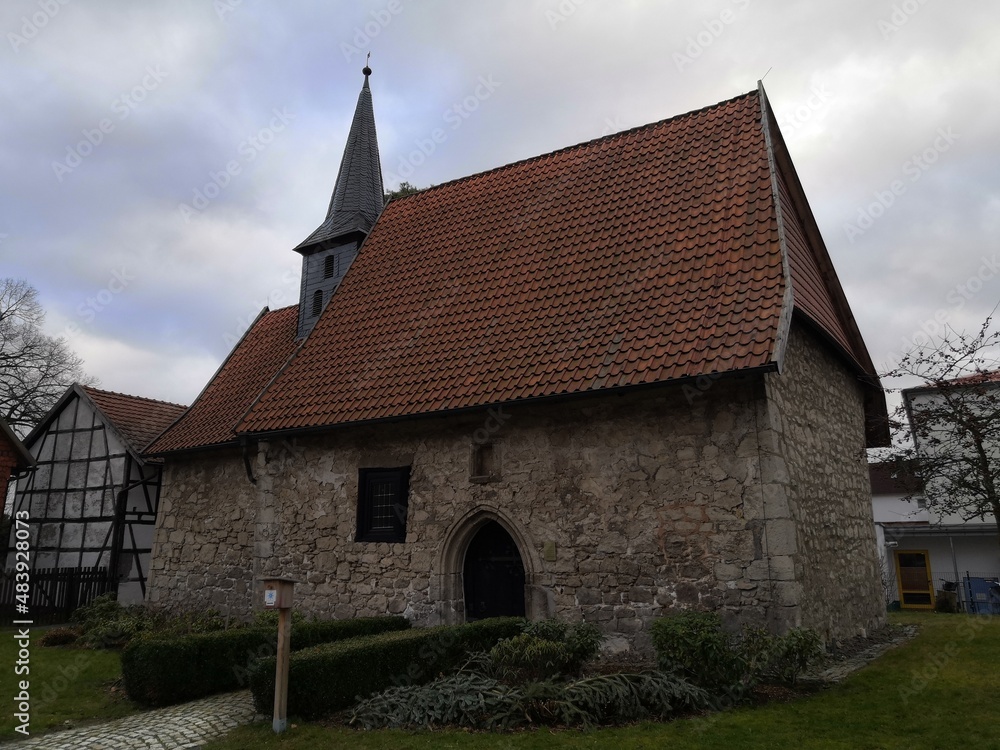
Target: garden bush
[(695, 646), (107, 624), (59, 637), (474, 701), (163, 671), (793, 653), (582, 639), (526, 657), (545, 649), (333, 676)]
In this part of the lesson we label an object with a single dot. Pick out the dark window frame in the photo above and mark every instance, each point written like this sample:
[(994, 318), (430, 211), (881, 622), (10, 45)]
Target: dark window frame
[(317, 303), (398, 481)]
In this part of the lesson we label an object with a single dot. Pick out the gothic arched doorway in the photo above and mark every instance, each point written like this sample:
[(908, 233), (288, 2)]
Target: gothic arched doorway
[(493, 575)]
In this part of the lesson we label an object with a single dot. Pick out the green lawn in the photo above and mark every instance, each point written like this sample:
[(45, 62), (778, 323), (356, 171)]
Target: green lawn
[(938, 691), (66, 685)]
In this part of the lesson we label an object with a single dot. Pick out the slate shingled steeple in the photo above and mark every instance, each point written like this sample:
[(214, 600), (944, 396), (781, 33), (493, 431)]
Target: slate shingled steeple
[(355, 205)]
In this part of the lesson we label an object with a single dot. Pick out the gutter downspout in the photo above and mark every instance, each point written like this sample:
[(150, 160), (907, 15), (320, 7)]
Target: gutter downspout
[(954, 561), (245, 445)]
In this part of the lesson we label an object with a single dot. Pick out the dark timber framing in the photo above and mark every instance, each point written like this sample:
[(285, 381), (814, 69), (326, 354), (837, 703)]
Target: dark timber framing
[(92, 500)]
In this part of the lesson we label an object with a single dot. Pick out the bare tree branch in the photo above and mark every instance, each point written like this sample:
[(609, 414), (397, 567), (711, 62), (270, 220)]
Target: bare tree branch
[(952, 444), (35, 369)]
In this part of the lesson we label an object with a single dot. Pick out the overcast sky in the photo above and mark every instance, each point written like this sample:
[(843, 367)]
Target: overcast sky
[(160, 159)]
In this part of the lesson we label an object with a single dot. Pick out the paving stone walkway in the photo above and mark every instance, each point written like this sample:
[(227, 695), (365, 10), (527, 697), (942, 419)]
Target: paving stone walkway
[(841, 670), (183, 727)]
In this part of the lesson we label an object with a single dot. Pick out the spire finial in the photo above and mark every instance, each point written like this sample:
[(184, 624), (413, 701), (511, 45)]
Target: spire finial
[(366, 70)]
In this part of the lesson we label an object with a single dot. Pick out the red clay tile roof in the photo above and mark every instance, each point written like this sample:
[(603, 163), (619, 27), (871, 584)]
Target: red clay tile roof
[(244, 374), (977, 378), (642, 257), (888, 478), (138, 419)]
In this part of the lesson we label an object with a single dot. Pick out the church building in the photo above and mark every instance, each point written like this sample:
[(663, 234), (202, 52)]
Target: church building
[(604, 383)]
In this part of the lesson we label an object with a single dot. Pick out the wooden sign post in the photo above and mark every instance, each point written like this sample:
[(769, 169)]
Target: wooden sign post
[(278, 595)]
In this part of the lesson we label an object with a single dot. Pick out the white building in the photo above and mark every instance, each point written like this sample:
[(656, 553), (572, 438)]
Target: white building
[(923, 551)]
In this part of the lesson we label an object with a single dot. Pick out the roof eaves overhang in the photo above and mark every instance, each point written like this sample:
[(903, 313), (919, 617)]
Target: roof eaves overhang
[(929, 389), (192, 450), (904, 529), (26, 460), (550, 399)]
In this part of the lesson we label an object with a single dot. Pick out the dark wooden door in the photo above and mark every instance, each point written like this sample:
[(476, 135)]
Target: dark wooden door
[(494, 575)]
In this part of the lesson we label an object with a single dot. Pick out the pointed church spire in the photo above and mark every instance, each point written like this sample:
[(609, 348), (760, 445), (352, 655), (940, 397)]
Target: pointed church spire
[(355, 205), (358, 194)]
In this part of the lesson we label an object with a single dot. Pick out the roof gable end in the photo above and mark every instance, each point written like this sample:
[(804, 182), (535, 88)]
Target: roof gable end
[(816, 292)]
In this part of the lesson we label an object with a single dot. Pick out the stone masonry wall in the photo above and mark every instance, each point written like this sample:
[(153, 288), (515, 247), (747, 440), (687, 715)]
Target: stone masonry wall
[(203, 546), (646, 502), (817, 416), (623, 507)]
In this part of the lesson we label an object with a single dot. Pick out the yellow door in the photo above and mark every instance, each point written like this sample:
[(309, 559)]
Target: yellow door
[(913, 572)]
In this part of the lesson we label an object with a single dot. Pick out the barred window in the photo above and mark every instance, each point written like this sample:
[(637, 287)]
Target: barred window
[(382, 501)]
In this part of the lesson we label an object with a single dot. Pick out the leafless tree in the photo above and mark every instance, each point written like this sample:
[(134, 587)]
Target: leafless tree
[(952, 444), (35, 369)]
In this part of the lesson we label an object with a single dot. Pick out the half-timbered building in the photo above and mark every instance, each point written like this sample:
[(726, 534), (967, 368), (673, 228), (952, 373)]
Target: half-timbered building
[(92, 497)]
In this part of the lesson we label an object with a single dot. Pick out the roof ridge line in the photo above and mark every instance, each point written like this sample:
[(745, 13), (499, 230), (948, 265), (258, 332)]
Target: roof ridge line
[(581, 144), (129, 395)]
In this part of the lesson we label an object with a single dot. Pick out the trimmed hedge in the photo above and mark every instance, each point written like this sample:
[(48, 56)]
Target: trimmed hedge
[(333, 676), (160, 671)]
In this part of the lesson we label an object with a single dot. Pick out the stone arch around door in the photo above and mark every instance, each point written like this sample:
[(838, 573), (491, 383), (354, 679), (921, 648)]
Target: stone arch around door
[(538, 602)]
